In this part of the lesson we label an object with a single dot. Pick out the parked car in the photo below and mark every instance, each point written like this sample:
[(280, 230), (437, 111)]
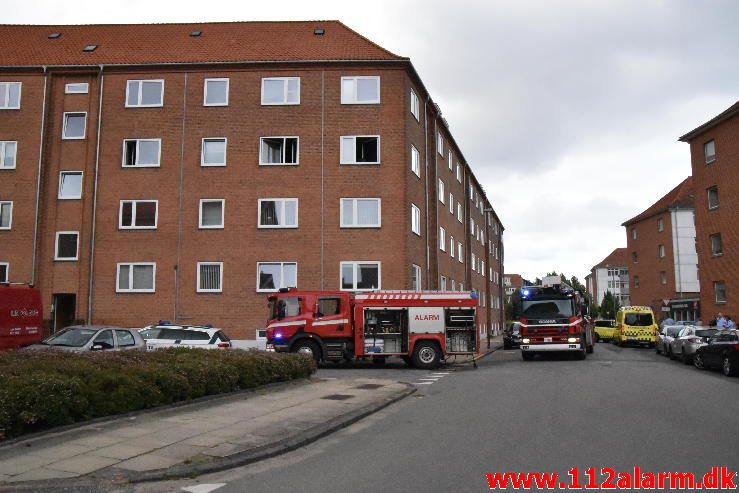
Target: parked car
[(665, 337), (166, 335), (512, 336), (81, 338), (21, 316), (688, 341), (722, 352), (605, 330)]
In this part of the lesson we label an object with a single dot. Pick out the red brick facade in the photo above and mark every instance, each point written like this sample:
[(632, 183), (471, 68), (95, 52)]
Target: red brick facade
[(318, 244)]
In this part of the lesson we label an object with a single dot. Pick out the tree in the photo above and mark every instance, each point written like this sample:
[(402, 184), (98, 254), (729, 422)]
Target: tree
[(610, 306)]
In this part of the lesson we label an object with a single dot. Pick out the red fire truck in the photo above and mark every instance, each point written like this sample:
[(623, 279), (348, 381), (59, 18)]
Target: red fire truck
[(553, 318), (21, 320), (422, 327)]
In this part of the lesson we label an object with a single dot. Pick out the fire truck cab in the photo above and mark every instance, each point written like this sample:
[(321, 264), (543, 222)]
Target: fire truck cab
[(423, 328)]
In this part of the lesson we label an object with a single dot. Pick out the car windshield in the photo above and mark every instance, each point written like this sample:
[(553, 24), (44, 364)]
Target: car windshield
[(535, 309), (705, 332), (72, 337), (152, 333), (638, 319), (673, 331), (604, 323)]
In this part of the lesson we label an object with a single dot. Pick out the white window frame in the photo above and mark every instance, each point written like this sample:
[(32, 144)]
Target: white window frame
[(4, 105), (415, 107), (284, 140), (482, 268), (56, 247), (716, 291), (661, 251), (10, 222), (138, 142), (451, 203), (460, 252), (353, 99), (130, 277), (205, 90), (442, 239), (452, 246), (451, 161), (140, 94), (343, 159), (708, 198), (660, 224), (442, 283), (7, 272), (353, 224), (459, 173), (442, 193), (633, 233), (454, 285), (459, 212), (280, 199), (415, 161), (415, 219), (202, 151), (64, 125), (709, 158), (199, 289), (440, 144), (284, 91), (417, 272), (200, 213), (82, 184), (133, 214), (3, 146), (355, 264), (282, 275), (76, 88)]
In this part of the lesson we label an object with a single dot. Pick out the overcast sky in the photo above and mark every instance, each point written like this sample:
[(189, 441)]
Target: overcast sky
[(568, 111)]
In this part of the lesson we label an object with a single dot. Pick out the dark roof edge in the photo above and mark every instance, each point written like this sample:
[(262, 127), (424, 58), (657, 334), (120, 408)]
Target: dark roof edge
[(731, 111)]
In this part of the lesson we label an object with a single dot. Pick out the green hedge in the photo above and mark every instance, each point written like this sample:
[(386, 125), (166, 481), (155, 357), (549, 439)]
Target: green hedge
[(43, 389)]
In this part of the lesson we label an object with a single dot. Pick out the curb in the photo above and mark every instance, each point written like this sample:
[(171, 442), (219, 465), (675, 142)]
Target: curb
[(192, 470)]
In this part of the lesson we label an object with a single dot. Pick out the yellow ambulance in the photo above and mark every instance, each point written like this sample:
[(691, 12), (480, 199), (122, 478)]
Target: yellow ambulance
[(635, 325)]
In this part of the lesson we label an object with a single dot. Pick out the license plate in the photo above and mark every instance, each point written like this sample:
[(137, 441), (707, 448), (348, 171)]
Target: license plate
[(547, 339), (631, 338)]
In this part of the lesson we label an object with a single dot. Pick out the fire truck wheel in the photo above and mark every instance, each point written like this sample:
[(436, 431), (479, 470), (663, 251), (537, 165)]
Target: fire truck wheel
[(527, 356), (308, 348), (581, 355), (426, 355)]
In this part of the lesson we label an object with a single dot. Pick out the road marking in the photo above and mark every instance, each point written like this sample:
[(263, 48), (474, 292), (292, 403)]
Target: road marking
[(203, 488), (431, 379), (423, 383), (443, 374)]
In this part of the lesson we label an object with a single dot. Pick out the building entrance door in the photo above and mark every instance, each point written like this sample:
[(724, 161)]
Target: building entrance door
[(64, 310)]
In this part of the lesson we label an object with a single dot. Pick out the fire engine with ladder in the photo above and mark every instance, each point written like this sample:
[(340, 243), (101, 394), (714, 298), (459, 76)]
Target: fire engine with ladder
[(554, 318), (421, 327)]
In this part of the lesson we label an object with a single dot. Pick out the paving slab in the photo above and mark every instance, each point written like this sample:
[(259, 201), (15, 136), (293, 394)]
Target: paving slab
[(148, 462), (82, 464), (120, 451)]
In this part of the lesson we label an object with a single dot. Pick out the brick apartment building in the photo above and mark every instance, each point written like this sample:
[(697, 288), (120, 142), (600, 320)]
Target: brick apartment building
[(513, 282), (184, 171), (610, 274), (714, 151), (661, 255)]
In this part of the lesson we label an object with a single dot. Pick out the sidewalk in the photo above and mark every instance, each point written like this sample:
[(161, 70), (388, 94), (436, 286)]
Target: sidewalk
[(194, 439)]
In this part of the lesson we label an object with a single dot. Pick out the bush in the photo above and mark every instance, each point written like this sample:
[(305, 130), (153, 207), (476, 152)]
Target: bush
[(43, 389)]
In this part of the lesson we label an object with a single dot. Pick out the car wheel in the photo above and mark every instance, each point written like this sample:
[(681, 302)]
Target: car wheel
[(698, 361), (527, 356), (728, 368), (307, 348), (426, 355)]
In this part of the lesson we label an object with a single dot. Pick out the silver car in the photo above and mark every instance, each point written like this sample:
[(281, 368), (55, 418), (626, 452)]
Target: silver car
[(665, 337), (81, 338), (692, 337)]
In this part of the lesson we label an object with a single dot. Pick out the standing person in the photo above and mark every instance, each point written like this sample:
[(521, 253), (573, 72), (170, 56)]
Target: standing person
[(730, 324), (720, 321)]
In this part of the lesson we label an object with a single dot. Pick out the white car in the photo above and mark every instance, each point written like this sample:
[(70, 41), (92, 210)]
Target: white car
[(689, 340), (191, 336)]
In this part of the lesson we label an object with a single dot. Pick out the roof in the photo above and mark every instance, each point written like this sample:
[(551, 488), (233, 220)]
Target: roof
[(680, 197), (219, 42), (616, 257), (733, 110)]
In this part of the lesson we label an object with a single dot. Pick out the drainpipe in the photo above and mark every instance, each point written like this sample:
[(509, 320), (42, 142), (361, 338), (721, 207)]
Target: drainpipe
[(38, 180), (180, 205), (101, 76), (435, 200), (426, 196), (322, 182)]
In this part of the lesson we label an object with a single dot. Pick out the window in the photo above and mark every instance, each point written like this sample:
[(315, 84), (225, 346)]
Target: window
[(660, 224), (415, 277), (141, 153), (713, 198), (215, 92), (472, 227), (460, 253), (138, 214), (213, 152), (459, 173), (360, 149), (415, 219), (442, 239), (450, 159), (663, 277), (473, 261), (278, 150), (66, 245), (125, 338), (10, 95), (482, 268), (709, 151), (414, 106), (442, 194), (716, 245), (74, 126), (272, 276), (636, 281), (210, 277), (440, 144), (454, 285), (4, 266), (442, 283), (661, 251), (359, 276), (144, 93), (415, 161), (451, 246), (459, 212), (278, 213), (329, 306), (6, 214), (633, 233), (360, 90), (211, 213), (719, 288), (76, 88), (634, 257), (70, 185), (7, 154), (280, 90), (360, 213), (451, 203), (461, 286), (136, 278)]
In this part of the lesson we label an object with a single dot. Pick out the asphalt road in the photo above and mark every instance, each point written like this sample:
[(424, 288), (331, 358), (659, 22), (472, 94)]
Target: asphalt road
[(620, 408)]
